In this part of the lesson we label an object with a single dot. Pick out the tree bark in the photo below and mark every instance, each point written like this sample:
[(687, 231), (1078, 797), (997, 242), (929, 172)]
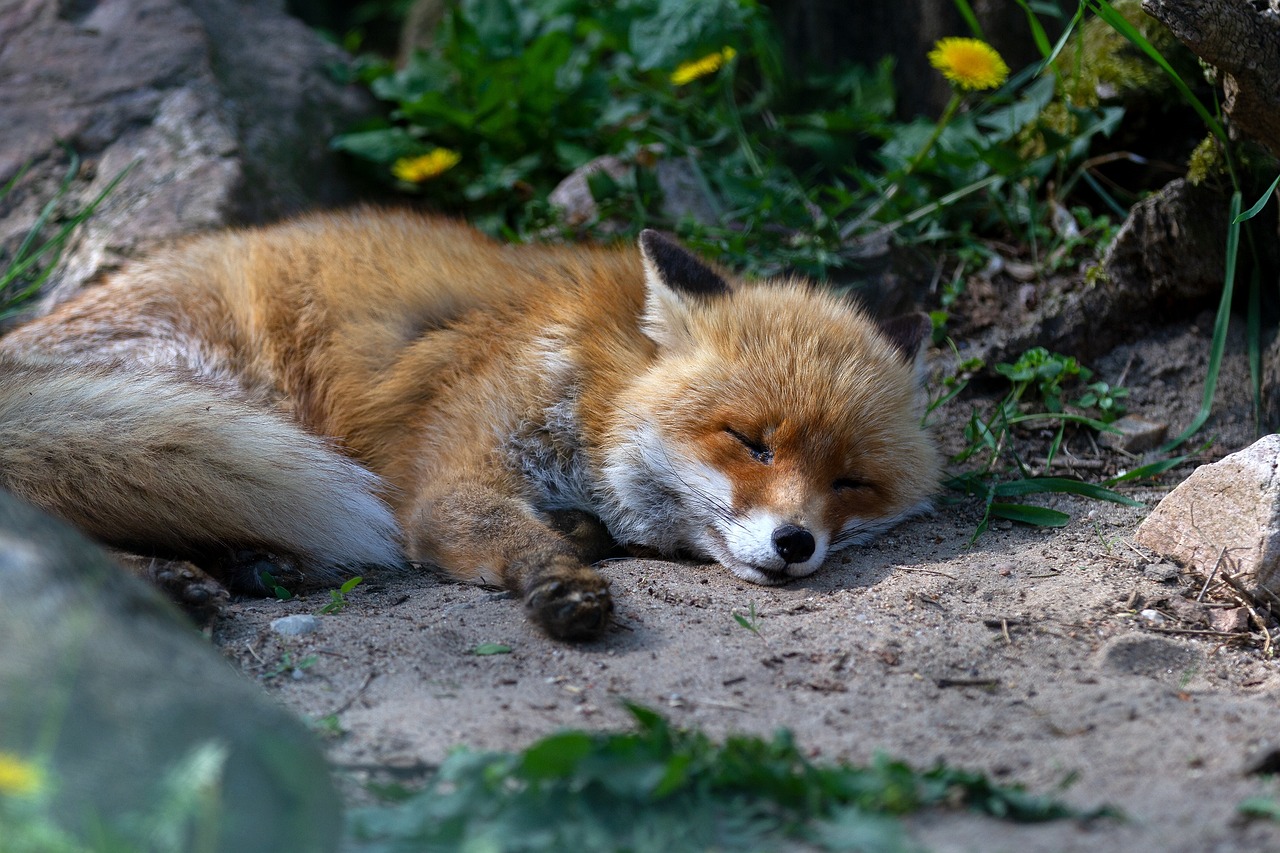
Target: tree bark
[(1243, 43)]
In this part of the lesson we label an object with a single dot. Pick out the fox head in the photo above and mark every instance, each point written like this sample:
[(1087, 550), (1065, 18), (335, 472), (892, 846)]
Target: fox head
[(776, 424)]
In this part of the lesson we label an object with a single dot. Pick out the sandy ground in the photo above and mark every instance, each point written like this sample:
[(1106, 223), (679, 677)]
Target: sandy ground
[(1023, 655)]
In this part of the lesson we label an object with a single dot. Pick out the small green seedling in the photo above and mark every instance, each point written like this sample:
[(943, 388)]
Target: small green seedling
[(288, 664), (486, 649), (339, 596), (270, 583), (751, 621)]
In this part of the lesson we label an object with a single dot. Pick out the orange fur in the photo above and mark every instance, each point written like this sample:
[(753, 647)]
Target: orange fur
[(488, 388)]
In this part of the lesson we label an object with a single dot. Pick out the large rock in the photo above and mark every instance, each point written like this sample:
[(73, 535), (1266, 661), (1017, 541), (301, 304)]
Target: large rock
[(106, 685), (1225, 517), (224, 109)]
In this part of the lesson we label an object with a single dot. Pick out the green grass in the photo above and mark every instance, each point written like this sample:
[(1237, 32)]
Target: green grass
[(25, 271)]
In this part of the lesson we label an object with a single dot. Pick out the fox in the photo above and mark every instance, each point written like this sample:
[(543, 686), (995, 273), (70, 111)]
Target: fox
[(368, 388)]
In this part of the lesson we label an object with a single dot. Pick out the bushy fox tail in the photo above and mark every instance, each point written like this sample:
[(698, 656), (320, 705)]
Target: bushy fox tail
[(148, 462)]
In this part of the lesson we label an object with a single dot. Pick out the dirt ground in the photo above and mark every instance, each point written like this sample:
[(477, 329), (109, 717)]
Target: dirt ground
[(1024, 655)]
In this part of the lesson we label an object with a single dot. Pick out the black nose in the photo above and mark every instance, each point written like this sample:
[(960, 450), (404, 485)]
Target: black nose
[(793, 544)]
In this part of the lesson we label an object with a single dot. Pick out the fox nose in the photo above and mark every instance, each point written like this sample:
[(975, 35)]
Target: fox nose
[(793, 544)]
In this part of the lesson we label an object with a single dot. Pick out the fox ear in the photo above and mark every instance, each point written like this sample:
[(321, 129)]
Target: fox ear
[(907, 333), (675, 279)]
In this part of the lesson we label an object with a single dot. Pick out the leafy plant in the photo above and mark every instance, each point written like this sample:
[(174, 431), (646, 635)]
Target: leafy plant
[(488, 649), (664, 789), (269, 581), (1040, 384), (792, 172), (338, 597), (290, 664)]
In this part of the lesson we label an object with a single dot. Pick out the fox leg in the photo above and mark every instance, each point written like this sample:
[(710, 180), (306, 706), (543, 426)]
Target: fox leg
[(478, 532)]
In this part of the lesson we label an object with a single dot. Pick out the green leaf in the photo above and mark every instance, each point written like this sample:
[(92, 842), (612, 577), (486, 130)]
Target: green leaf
[(557, 756), (485, 649), (1040, 485), (1260, 807), (1257, 205), (1038, 516)]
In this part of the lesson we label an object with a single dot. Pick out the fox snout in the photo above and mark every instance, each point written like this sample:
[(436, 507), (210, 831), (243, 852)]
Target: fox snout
[(793, 544)]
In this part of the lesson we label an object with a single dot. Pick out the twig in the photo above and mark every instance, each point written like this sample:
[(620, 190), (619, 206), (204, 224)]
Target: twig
[(926, 572), (1247, 602), (968, 682), (372, 674), (1221, 553)]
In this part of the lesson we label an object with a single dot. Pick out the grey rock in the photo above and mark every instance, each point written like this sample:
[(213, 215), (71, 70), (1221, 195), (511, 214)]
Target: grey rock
[(1152, 656), (106, 684), (221, 110), (295, 625), (1136, 434), (1225, 517)]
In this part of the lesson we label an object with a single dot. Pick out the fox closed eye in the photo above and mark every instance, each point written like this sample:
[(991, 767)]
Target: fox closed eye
[(850, 484), (760, 451)]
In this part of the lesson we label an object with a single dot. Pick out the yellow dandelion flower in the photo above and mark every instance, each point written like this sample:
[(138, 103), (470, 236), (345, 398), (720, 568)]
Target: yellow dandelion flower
[(415, 170), (687, 72), (19, 777), (969, 63)]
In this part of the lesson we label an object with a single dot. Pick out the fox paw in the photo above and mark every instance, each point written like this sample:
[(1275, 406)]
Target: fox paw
[(201, 596), (570, 604)]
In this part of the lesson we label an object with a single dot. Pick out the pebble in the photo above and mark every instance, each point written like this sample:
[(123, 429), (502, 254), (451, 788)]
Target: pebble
[(1155, 617), (296, 625), (1162, 572)]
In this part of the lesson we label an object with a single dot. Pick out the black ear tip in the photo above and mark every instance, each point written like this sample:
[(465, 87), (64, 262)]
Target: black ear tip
[(908, 333), (652, 241), (679, 268)]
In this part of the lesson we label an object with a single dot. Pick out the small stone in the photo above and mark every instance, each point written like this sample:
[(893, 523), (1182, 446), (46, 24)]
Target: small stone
[(1137, 434), (1147, 654), (297, 625), (1155, 617), (1225, 516), (1231, 621), (1162, 572)]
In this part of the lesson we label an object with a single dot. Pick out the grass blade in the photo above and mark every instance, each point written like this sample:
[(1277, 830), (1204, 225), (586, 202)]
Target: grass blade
[(1219, 329), (1041, 485), (1038, 516), (1117, 22), (1151, 469)]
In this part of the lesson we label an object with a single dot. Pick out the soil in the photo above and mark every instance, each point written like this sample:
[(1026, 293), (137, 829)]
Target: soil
[(1066, 660)]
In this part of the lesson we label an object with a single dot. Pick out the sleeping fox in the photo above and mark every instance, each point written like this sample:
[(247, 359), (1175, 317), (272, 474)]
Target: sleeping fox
[(350, 389)]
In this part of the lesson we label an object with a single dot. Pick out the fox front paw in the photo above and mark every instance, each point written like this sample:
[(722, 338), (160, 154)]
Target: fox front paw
[(569, 601)]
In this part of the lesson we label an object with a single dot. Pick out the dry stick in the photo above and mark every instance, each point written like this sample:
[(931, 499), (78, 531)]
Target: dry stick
[(925, 572), (1245, 599), (370, 676), (1222, 552)]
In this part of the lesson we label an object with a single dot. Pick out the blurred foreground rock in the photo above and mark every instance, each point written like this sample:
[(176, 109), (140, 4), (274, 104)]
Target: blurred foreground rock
[(107, 685), (1225, 520)]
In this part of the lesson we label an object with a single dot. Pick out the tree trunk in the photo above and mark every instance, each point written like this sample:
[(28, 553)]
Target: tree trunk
[(1242, 42)]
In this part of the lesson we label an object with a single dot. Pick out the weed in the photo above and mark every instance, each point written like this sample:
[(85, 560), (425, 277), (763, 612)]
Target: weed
[(270, 583), (665, 789), (291, 665), (26, 270), (794, 172), (328, 726), (486, 649), (750, 621), (339, 596), (1040, 393), (1262, 807)]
